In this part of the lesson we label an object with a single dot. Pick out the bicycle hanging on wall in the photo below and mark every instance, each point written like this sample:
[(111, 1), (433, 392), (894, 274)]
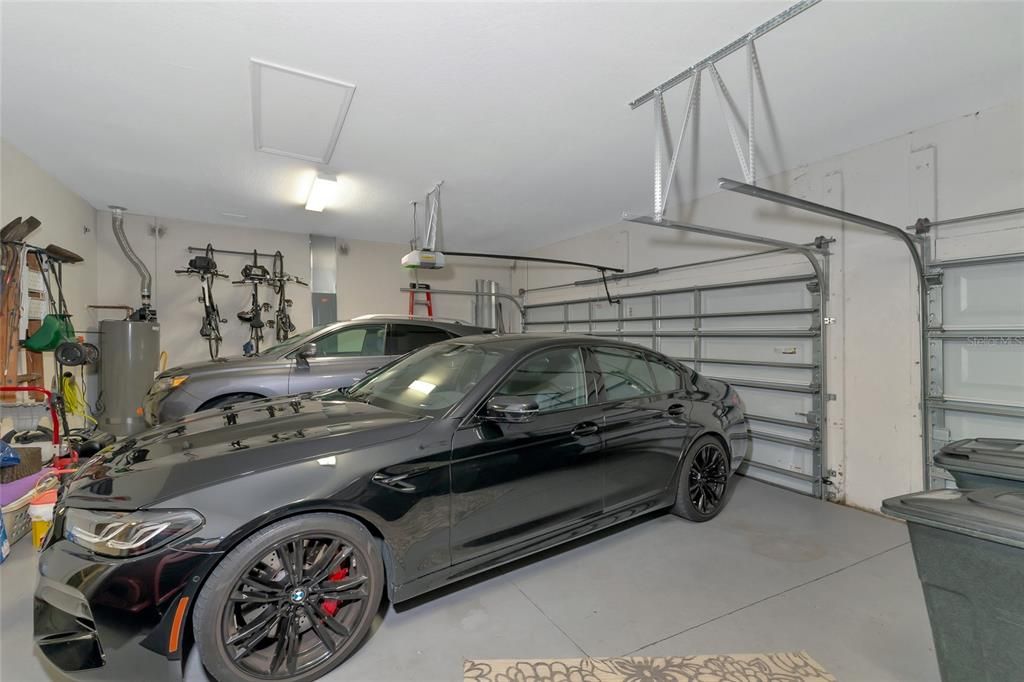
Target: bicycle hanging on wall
[(254, 275), (282, 322), (206, 268)]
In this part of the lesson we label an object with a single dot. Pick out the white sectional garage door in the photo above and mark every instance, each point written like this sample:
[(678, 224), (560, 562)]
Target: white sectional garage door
[(762, 336), (976, 340)]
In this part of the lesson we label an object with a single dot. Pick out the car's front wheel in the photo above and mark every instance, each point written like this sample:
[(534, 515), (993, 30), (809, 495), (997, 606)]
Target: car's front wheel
[(703, 481), (291, 602)]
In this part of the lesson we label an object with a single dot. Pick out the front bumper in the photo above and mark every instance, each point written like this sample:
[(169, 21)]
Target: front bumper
[(167, 406), (110, 619)]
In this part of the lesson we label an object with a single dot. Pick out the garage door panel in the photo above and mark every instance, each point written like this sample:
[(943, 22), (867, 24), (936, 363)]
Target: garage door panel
[(766, 297), (784, 349), (645, 341), (603, 310), (578, 312), (983, 371), (782, 456), (784, 375), (676, 304), (972, 425), (546, 313), (638, 307), (781, 430), (779, 478), (755, 330), (797, 321), (676, 346), (637, 326), (777, 404), (976, 296)]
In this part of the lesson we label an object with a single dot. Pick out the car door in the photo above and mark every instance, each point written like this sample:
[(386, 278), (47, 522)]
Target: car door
[(343, 356), (645, 422), (516, 481)]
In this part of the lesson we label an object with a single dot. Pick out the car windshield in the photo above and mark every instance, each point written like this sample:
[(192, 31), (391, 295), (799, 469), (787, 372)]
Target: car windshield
[(428, 381)]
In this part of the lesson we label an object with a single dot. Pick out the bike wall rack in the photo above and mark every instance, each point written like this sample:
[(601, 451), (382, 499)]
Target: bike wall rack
[(202, 249)]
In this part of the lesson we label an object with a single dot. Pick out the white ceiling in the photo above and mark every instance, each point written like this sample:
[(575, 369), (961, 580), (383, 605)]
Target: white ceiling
[(520, 108)]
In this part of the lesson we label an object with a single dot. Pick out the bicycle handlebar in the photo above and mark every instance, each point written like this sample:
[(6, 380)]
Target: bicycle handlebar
[(190, 271)]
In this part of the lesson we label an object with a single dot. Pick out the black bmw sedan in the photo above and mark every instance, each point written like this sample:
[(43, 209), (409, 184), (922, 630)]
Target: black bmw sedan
[(266, 533)]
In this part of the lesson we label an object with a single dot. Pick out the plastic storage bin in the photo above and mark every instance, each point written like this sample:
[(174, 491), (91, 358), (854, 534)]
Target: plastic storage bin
[(16, 519), (969, 550), (984, 462)]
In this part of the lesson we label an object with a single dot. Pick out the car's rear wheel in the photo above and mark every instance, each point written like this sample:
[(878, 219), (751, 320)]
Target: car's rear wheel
[(703, 481), (291, 602)]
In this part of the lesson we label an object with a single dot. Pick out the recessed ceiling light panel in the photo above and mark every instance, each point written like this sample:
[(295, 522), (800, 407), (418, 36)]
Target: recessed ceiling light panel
[(321, 193), (296, 113)]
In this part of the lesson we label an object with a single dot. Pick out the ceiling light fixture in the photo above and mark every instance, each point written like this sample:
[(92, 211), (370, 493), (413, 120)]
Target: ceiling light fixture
[(321, 193)]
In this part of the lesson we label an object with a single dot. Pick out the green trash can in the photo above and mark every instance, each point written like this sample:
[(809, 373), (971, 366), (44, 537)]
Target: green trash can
[(984, 462), (969, 550)]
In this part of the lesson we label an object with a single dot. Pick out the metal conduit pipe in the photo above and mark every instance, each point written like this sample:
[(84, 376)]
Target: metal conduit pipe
[(821, 209), (117, 222)]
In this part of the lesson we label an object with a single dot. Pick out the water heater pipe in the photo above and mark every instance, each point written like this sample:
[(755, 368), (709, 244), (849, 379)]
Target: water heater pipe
[(117, 221)]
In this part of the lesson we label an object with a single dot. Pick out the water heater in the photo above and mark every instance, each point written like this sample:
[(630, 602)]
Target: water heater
[(129, 358)]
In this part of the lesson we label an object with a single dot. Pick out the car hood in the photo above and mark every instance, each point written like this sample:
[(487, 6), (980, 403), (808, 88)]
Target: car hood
[(215, 445), (228, 364)]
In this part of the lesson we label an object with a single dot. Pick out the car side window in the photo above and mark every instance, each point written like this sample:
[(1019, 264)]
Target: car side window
[(625, 372), (667, 377), (555, 379), (364, 340), (405, 338)]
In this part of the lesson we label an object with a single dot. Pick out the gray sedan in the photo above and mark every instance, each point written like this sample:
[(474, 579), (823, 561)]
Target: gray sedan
[(333, 356)]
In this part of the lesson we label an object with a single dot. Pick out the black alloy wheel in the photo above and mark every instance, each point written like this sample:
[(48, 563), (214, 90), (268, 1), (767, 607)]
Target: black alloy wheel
[(703, 481), (301, 603)]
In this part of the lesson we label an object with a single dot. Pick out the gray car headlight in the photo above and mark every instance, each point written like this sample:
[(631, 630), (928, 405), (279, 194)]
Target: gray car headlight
[(124, 534), (168, 383)]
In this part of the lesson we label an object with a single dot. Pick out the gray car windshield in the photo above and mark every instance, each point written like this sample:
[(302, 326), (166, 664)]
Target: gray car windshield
[(430, 380)]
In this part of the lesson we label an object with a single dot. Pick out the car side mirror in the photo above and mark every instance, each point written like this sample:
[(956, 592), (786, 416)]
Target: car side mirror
[(306, 351), (510, 410)]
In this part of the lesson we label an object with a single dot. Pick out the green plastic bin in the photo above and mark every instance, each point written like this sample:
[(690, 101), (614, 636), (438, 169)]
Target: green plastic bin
[(969, 550), (984, 462)]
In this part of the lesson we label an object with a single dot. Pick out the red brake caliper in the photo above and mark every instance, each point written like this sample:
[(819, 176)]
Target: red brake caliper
[(331, 606)]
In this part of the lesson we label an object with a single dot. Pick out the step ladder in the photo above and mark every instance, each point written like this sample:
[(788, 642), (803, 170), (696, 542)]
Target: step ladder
[(416, 290)]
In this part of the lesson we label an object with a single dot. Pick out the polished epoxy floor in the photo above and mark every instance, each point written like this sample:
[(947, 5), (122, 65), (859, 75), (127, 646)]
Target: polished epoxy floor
[(774, 572)]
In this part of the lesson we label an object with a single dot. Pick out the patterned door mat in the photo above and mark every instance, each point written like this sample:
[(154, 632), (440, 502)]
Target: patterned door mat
[(779, 667)]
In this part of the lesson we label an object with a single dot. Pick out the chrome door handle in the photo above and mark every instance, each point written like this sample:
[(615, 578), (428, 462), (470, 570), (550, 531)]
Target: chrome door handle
[(584, 429)]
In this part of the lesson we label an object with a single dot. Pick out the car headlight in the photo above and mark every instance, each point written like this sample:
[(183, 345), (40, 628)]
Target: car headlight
[(168, 383), (124, 534)]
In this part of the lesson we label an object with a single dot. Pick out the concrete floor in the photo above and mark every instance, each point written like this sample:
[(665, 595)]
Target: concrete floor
[(774, 572)]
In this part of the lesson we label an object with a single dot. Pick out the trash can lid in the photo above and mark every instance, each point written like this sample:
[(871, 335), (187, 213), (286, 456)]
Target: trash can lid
[(1000, 457), (995, 514)]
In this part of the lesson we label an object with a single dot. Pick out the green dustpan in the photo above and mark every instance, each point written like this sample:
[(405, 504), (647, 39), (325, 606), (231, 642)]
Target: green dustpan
[(55, 330)]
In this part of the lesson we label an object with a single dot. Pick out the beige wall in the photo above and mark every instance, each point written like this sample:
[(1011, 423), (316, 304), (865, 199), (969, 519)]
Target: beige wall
[(369, 279), (971, 164), (67, 221)]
